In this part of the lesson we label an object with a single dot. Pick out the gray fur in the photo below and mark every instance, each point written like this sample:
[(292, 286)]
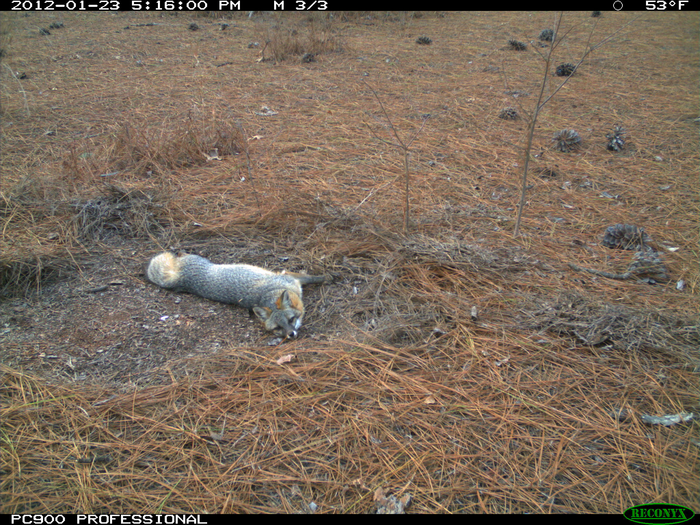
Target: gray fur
[(238, 284), (274, 297)]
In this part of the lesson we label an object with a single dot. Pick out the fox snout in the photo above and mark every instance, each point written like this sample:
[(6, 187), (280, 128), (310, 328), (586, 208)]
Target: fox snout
[(290, 332), (277, 321), (284, 318)]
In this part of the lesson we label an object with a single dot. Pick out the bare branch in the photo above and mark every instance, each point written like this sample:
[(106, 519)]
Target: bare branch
[(403, 146), (541, 101)]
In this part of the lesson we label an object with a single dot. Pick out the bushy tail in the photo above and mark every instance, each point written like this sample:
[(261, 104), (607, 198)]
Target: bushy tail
[(165, 270)]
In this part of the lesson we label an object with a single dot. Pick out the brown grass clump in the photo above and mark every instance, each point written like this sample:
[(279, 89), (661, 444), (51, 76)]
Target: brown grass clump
[(196, 139), (120, 211), (616, 326), (313, 36), (450, 366), (122, 188)]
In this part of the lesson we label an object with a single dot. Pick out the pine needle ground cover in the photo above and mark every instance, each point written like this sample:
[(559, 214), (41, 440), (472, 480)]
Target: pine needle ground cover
[(452, 366)]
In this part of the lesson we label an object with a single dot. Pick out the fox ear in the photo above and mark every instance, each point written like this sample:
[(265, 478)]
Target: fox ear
[(283, 301), (262, 312)]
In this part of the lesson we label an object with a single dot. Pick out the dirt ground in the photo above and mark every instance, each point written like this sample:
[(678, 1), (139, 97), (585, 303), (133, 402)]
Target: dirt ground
[(453, 367)]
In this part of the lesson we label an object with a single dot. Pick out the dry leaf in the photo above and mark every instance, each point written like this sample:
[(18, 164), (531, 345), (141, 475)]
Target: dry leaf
[(390, 505), (285, 359)]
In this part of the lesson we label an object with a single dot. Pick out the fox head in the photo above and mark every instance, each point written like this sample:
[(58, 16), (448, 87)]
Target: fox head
[(285, 317)]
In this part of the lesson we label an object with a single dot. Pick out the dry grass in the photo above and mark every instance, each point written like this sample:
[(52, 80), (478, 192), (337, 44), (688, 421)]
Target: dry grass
[(109, 405), (283, 41), (450, 425)]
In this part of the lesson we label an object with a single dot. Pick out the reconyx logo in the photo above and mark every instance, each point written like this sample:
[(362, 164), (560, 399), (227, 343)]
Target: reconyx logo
[(659, 513)]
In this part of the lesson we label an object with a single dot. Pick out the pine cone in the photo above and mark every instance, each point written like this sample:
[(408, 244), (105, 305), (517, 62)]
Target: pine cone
[(625, 237)]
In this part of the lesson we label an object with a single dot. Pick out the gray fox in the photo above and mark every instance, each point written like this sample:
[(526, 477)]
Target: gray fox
[(275, 298)]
